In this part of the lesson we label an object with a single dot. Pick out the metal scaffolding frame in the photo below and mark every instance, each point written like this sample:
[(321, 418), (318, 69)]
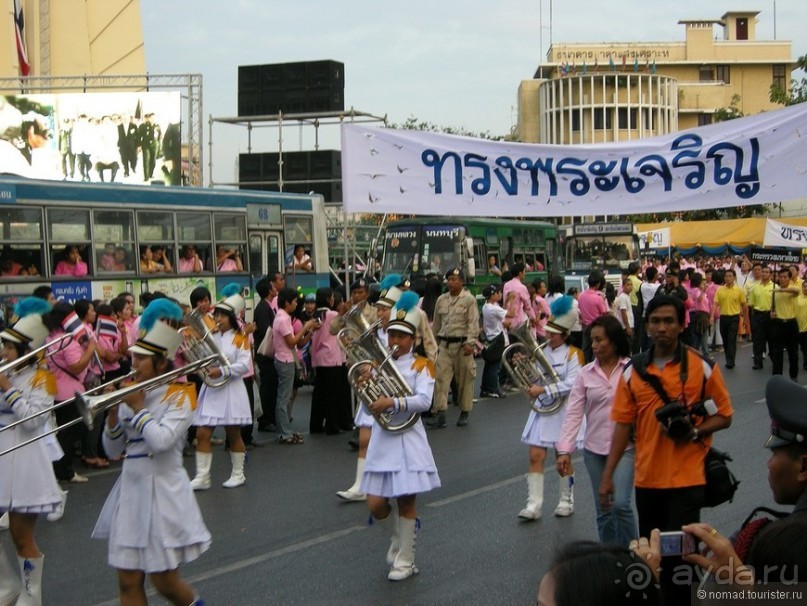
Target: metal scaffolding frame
[(189, 85)]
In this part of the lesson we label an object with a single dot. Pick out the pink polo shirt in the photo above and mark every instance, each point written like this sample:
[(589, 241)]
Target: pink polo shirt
[(592, 305), (522, 307), (281, 327), (325, 350)]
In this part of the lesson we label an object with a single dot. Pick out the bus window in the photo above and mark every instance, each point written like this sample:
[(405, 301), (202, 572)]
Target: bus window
[(297, 232), (193, 232), (68, 227), (111, 257), (230, 231), (114, 227), (441, 248), (155, 227), (401, 250), (21, 237)]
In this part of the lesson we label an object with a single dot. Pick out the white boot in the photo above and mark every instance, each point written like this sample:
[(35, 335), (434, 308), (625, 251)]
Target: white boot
[(403, 566), (203, 462), (354, 493), (9, 583), (535, 497), (57, 514), (4, 521), (391, 524), (31, 573), (237, 477), (565, 506)]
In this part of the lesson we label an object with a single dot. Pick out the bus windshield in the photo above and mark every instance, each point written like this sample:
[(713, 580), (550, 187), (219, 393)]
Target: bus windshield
[(610, 252), (401, 250), (441, 248)]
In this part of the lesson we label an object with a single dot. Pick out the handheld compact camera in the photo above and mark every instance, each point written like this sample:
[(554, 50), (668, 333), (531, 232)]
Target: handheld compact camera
[(677, 543)]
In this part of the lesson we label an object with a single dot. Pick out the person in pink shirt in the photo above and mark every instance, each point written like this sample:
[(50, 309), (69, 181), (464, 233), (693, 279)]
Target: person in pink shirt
[(699, 315), (228, 259), (541, 307), (285, 341), (592, 305), (189, 261), (331, 397), (711, 288), (591, 397), (520, 299), (71, 263)]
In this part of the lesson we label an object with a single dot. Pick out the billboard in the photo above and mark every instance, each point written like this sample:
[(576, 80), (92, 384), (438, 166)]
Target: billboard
[(133, 138)]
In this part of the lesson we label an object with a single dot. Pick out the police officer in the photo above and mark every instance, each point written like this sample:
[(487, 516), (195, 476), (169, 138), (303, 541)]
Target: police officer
[(456, 326)]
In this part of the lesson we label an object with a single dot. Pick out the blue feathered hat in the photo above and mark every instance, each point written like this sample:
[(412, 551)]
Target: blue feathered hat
[(157, 337), (29, 327), (232, 301), (405, 316), (563, 317), (390, 293)]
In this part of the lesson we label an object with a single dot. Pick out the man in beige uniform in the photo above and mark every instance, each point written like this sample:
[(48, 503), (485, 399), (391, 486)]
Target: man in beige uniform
[(359, 292), (456, 326)]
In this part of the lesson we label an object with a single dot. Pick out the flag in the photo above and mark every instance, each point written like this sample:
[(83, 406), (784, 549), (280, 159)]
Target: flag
[(574, 67), (624, 62), (107, 327), (138, 112), (636, 64), (19, 32), (596, 64), (72, 324), (584, 69), (646, 65), (653, 67), (611, 63)]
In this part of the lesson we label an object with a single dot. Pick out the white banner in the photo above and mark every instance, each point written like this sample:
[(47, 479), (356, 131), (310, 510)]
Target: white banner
[(659, 238), (782, 235), (753, 160)]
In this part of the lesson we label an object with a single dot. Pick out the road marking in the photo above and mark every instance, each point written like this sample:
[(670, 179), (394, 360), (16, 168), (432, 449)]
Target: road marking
[(270, 555)]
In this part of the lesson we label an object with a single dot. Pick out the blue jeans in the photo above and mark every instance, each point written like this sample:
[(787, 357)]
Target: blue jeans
[(490, 376), (617, 527), (285, 384)]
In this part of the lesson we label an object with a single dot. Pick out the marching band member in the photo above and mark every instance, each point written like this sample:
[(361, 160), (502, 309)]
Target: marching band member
[(400, 464), (227, 404), (390, 293), (151, 517), (543, 430), (28, 485)]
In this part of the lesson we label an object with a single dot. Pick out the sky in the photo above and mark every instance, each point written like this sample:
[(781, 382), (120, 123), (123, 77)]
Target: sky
[(449, 62)]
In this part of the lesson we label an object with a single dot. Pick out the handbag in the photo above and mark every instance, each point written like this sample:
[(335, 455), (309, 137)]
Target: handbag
[(494, 349), (267, 346), (721, 484)]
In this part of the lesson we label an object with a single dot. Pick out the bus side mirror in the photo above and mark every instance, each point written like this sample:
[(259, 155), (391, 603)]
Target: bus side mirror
[(470, 263), (374, 248)]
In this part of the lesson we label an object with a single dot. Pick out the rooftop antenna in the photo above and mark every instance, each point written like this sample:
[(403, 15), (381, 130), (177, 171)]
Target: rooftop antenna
[(774, 19)]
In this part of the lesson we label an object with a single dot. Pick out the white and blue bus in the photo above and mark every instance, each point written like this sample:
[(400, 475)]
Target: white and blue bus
[(111, 226)]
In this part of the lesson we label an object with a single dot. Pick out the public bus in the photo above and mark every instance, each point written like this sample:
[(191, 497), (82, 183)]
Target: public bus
[(419, 246), (607, 247), (111, 225)]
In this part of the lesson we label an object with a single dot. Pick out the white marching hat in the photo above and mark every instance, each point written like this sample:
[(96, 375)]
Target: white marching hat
[(232, 301), (30, 328), (405, 316), (158, 338)]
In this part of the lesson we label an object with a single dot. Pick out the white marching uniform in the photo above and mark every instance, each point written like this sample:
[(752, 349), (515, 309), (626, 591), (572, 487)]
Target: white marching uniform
[(543, 430), (27, 482), (151, 517), (228, 404), (401, 462)]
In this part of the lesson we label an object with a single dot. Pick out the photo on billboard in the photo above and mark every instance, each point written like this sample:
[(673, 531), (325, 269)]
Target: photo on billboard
[(133, 138)]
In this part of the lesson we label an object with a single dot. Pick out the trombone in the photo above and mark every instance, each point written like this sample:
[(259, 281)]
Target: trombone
[(15, 366), (90, 406)]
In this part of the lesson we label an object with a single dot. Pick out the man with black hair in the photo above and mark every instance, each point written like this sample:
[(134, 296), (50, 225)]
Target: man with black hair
[(672, 400), (264, 316)]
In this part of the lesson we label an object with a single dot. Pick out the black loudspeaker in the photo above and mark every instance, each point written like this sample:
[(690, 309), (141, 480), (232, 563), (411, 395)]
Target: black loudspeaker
[(325, 164), (293, 88)]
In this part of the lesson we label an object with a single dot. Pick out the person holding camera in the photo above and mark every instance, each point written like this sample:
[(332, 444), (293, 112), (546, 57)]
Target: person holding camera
[(672, 400)]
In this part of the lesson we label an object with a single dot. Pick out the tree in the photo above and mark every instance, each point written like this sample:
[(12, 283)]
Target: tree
[(412, 123), (731, 112), (797, 92)]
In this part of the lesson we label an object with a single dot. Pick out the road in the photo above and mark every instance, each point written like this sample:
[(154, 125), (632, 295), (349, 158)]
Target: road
[(285, 538)]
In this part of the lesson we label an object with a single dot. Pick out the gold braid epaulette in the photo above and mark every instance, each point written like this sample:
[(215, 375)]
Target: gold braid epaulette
[(581, 358), (240, 340), (420, 363), (45, 379), (178, 393)]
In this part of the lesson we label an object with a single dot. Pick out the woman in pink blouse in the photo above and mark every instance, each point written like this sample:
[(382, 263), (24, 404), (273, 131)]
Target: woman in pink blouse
[(69, 365), (331, 393), (592, 397), (71, 263)]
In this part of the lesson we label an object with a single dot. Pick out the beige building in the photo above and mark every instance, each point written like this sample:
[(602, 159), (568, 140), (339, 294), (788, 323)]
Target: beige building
[(593, 93), (75, 37)]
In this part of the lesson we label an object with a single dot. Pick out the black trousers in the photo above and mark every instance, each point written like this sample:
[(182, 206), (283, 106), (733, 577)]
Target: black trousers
[(669, 509), (729, 325), (267, 390), (68, 438), (330, 401), (785, 338), (246, 430), (761, 334)]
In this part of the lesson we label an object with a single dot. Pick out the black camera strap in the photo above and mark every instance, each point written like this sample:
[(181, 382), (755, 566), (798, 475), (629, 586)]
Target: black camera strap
[(640, 362)]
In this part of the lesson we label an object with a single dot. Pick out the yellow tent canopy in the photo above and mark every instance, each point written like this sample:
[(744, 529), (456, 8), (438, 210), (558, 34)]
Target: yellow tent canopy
[(736, 232)]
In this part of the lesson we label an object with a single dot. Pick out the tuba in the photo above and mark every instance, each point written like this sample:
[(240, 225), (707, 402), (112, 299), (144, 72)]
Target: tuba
[(527, 364), (199, 344), (373, 373)]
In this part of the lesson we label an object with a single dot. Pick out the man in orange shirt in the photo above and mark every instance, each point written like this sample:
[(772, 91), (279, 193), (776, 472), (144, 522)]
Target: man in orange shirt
[(673, 432)]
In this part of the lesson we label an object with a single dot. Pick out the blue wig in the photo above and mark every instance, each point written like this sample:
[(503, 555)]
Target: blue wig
[(156, 311)]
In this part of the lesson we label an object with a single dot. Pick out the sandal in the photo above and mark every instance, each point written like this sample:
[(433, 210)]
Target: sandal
[(294, 439)]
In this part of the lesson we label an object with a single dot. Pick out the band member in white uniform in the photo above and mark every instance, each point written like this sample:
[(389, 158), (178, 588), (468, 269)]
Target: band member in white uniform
[(543, 430), (228, 404), (400, 464), (151, 517), (28, 486)]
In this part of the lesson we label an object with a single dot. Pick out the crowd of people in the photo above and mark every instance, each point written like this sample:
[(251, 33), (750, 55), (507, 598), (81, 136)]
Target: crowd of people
[(627, 376)]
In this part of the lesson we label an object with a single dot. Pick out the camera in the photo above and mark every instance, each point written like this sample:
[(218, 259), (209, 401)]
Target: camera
[(677, 420), (676, 543)]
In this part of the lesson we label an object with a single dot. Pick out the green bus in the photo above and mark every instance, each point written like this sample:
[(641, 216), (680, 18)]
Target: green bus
[(420, 246)]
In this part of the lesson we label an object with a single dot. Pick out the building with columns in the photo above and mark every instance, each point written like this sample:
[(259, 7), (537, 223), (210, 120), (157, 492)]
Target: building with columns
[(595, 93)]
